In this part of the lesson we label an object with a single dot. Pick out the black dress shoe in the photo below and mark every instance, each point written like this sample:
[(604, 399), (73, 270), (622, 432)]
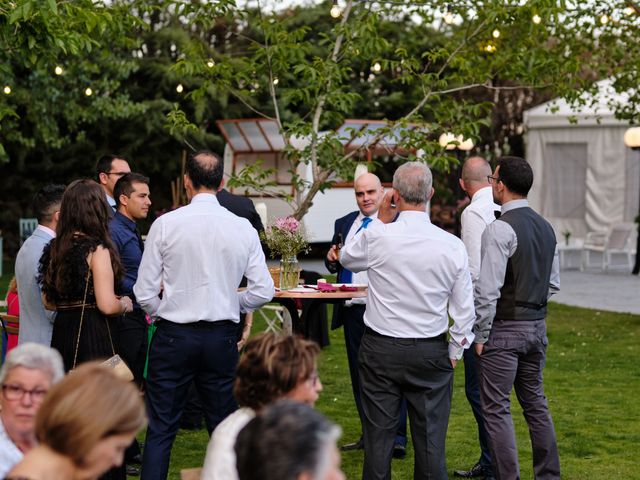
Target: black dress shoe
[(399, 451), (475, 471), (132, 471), (359, 445)]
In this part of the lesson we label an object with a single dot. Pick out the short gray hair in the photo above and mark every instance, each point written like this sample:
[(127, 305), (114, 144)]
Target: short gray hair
[(35, 357), (413, 181)]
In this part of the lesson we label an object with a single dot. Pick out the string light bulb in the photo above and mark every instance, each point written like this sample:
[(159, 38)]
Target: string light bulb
[(536, 19), (276, 81), (211, 63), (496, 33), (335, 11), (58, 70), (490, 48), (604, 19), (88, 92), (377, 68), (448, 16), (179, 88), (7, 90)]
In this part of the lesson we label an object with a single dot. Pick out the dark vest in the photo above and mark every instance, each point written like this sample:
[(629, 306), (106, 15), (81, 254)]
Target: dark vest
[(526, 284)]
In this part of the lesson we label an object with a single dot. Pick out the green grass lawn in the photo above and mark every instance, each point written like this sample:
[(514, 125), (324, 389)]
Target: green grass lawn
[(592, 381)]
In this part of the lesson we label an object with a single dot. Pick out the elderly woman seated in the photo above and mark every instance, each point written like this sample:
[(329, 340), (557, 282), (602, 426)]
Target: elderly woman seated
[(272, 367), (289, 441), (26, 376)]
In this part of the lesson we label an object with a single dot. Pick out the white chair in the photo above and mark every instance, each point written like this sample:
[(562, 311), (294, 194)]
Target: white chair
[(277, 318), (27, 226), (619, 244), (595, 242)]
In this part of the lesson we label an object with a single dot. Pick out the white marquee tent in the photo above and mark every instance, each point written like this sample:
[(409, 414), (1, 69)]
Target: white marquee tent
[(586, 179)]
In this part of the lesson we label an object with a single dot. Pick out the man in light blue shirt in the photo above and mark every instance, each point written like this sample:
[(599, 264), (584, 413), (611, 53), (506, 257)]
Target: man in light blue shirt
[(36, 323), (193, 262)]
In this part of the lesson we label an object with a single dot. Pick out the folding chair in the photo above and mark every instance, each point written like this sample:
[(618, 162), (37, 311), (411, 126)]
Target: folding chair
[(277, 318), (594, 242), (10, 326), (619, 244)]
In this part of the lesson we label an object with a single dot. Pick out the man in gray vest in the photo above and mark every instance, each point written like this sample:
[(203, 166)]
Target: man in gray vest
[(519, 272), (36, 323)]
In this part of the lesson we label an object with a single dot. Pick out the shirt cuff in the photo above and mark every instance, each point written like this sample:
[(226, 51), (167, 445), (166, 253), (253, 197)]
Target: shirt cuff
[(455, 351)]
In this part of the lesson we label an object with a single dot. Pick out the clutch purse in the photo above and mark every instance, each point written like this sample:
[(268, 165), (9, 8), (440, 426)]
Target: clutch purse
[(119, 367)]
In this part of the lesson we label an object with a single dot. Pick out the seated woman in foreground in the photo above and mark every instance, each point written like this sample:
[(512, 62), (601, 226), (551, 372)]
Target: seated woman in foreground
[(289, 441), (84, 426), (26, 376), (272, 367)]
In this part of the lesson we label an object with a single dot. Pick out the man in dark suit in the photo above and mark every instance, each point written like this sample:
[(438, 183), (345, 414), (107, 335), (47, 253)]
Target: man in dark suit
[(369, 193), (241, 206)]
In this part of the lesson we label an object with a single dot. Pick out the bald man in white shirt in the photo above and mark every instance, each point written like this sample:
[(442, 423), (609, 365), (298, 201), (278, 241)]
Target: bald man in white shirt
[(418, 278), (195, 257), (481, 212)]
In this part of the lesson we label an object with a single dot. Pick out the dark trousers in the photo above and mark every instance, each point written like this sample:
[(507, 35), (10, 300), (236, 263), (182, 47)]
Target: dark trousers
[(472, 390), (514, 357), (203, 351), (353, 326), (132, 347), (419, 370)]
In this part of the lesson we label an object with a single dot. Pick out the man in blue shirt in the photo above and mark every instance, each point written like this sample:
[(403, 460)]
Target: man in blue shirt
[(131, 193)]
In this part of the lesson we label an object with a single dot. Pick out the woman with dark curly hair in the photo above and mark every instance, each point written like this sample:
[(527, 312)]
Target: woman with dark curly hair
[(78, 270), (272, 367)]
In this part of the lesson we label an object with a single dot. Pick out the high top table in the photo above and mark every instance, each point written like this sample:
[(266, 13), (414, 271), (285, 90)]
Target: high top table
[(287, 298)]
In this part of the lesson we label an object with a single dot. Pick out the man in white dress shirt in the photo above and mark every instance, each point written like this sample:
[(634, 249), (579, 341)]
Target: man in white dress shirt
[(418, 277), (193, 262), (475, 218)]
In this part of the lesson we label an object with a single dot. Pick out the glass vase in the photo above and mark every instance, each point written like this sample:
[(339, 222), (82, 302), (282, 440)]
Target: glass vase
[(289, 272)]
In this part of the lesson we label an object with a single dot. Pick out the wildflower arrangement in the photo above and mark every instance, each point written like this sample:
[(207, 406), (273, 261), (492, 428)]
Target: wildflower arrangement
[(285, 238)]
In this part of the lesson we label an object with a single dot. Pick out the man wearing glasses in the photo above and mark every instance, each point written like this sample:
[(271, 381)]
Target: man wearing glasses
[(109, 169), (518, 273)]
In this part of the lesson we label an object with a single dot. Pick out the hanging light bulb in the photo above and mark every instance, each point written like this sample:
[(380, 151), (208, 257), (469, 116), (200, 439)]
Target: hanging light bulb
[(377, 68), (210, 63), (7, 89), (496, 33), (536, 19), (58, 70), (88, 92), (179, 88), (448, 16), (335, 11), (604, 19), (276, 81), (490, 48)]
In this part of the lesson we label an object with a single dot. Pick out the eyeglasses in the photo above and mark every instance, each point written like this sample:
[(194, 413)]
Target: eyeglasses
[(492, 179), (119, 174), (16, 392)]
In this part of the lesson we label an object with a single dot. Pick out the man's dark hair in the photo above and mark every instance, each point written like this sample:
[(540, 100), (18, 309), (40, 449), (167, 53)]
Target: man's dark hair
[(205, 169), (516, 174), (124, 185), (104, 163), (46, 201)]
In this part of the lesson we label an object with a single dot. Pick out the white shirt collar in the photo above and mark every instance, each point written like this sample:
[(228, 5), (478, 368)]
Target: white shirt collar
[(47, 230), (484, 193)]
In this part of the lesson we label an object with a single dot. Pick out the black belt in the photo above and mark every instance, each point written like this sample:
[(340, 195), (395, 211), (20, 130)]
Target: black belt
[(201, 324), (440, 338)]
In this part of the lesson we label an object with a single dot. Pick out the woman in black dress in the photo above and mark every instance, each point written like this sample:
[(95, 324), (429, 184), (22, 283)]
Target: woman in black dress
[(78, 271)]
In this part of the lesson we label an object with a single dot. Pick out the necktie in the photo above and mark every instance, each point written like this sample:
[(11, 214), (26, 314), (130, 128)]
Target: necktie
[(497, 213), (346, 276)]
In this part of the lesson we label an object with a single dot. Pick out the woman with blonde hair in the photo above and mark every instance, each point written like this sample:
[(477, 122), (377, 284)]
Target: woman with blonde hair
[(272, 367), (84, 426)]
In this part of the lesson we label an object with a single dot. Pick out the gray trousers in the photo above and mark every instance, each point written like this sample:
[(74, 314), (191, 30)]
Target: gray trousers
[(514, 357), (419, 370)]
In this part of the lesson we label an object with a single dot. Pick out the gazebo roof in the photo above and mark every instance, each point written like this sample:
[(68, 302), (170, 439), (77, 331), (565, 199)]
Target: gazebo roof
[(261, 135)]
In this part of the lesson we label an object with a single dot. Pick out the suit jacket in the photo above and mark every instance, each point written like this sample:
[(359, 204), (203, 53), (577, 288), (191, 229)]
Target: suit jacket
[(342, 226), (36, 323), (240, 206)]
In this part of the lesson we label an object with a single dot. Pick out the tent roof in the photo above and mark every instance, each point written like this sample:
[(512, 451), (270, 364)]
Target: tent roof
[(598, 111)]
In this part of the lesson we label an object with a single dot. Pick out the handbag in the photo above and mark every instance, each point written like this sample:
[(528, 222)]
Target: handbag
[(115, 362)]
